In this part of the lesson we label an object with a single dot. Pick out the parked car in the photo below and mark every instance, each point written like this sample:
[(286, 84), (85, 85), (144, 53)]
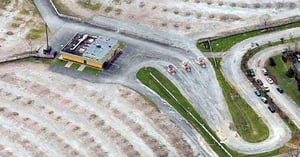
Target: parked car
[(271, 108), (257, 92), (259, 82), (285, 50), (270, 80), (264, 70), (251, 72), (280, 90), (266, 89), (298, 57), (264, 100)]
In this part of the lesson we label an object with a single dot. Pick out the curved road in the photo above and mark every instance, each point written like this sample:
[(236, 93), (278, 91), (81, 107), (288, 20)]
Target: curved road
[(285, 103), (200, 86), (279, 132)]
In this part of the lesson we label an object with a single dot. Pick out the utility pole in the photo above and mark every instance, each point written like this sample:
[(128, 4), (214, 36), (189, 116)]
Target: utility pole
[(46, 27), (211, 51), (30, 45)]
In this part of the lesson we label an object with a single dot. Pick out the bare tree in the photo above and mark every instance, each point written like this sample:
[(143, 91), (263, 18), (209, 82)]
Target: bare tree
[(294, 152), (265, 19)]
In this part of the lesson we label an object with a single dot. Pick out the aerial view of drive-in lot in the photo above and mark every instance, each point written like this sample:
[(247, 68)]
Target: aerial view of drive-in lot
[(149, 78)]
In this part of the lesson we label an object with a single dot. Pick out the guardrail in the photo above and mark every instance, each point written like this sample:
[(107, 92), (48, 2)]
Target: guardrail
[(63, 15), (112, 28)]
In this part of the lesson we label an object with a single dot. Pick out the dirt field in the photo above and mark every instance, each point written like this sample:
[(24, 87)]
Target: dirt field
[(186, 16), (20, 23), (48, 114)]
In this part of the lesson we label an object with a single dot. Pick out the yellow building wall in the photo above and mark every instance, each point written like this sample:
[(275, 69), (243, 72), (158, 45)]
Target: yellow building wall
[(94, 64), (72, 58)]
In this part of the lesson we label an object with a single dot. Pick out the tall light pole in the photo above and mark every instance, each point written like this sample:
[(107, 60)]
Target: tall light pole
[(211, 51), (46, 27), (30, 45)]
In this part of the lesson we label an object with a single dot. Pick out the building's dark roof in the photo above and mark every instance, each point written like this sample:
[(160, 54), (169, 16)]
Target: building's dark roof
[(91, 47)]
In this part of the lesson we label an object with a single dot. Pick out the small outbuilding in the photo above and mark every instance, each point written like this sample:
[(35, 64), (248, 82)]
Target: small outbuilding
[(95, 51)]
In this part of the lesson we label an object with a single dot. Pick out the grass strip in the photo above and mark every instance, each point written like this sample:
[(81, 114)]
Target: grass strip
[(181, 104), (59, 62), (225, 43), (91, 70), (247, 123), (75, 66)]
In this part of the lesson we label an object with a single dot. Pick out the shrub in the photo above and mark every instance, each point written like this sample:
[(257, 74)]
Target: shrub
[(290, 73), (284, 59), (272, 62)]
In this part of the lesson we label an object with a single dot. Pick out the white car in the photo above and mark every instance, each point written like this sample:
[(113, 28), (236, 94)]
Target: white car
[(270, 80), (264, 70), (266, 89), (264, 100), (298, 57)]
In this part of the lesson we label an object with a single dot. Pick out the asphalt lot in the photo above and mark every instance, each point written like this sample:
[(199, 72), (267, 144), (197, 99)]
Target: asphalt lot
[(200, 86)]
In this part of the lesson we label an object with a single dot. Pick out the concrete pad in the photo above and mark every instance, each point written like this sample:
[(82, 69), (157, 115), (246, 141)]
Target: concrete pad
[(69, 64), (82, 66)]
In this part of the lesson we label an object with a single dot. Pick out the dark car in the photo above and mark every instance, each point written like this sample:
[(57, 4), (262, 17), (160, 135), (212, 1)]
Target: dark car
[(271, 108), (259, 82), (257, 92), (280, 90), (251, 72)]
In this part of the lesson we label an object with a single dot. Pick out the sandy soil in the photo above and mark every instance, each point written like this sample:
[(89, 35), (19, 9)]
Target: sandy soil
[(189, 16), (48, 114), (17, 19)]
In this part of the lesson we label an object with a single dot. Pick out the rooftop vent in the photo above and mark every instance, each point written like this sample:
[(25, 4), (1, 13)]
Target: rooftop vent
[(90, 40)]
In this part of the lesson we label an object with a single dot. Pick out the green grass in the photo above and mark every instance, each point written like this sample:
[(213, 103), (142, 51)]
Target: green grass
[(59, 62), (225, 43), (75, 66), (92, 71), (35, 33), (289, 85), (121, 45), (88, 5), (108, 9), (248, 124), (182, 105)]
